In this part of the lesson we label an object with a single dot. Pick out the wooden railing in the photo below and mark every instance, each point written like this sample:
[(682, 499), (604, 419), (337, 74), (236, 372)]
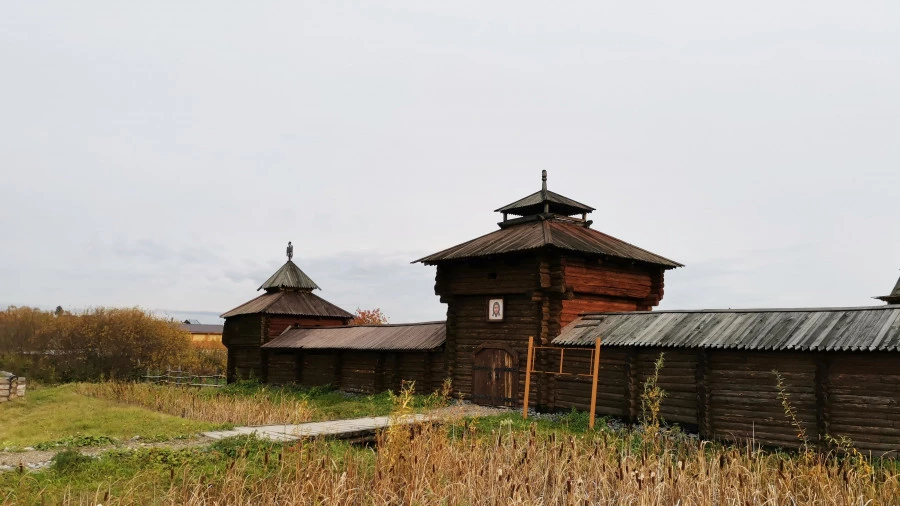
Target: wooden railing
[(178, 377)]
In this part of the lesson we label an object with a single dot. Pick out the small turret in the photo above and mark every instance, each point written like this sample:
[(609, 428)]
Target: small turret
[(545, 203)]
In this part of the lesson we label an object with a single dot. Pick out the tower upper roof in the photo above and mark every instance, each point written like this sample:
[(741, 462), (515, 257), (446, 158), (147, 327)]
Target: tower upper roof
[(547, 220), (545, 201)]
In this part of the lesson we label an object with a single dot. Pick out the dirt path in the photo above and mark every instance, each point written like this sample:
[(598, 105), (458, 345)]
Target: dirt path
[(38, 459)]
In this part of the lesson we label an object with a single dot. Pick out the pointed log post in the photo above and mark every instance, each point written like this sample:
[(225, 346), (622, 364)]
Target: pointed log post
[(596, 374), (528, 361)]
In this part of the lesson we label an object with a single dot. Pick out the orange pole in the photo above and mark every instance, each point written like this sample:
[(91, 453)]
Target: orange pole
[(594, 385), (528, 376)]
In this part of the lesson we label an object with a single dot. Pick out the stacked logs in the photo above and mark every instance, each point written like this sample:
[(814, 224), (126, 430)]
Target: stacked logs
[(11, 386)]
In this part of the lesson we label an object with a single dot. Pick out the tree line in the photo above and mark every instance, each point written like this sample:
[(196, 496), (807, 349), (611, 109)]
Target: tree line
[(99, 343)]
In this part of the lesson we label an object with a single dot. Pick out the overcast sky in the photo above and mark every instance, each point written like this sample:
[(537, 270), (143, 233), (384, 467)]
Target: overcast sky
[(161, 154)]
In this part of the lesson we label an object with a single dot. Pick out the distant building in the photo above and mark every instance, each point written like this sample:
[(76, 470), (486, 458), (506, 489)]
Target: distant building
[(202, 333)]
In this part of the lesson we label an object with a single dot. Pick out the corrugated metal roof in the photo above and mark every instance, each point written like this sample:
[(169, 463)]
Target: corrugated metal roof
[(289, 276), (290, 303), (408, 336), (814, 329), (201, 328), (560, 233)]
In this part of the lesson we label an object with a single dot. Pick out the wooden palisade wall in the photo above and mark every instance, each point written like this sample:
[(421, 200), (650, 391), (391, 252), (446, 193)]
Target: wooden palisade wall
[(362, 371), (733, 394)]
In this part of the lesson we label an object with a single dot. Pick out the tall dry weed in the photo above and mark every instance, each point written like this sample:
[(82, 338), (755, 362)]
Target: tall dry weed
[(260, 408)]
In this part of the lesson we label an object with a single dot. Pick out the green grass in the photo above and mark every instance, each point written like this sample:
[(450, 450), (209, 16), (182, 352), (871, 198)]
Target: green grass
[(144, 475), (573, 422), (58, 414)]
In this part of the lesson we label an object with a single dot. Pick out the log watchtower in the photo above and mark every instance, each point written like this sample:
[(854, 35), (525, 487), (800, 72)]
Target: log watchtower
[(288, 301), (543, 267)]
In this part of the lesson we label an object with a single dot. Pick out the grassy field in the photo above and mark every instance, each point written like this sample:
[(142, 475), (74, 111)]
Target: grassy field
[(490, 460), (481, 461), (59, 414), (89, 414)]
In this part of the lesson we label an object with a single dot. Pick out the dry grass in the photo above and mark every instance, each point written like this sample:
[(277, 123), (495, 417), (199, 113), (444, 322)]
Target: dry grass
[(260, 408), (459, 464), (429, 466)]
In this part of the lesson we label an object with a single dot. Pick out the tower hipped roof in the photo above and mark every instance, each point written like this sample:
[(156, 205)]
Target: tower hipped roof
[(547, 221), (549, 232)]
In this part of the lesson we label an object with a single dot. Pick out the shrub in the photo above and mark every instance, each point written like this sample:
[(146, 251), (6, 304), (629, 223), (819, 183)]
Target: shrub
[(99, 343), (69, 461)]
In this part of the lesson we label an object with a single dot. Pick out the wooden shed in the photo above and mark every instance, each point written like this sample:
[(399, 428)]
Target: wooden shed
[(360, 358), (288, 300), (543, 267), (840, 366)]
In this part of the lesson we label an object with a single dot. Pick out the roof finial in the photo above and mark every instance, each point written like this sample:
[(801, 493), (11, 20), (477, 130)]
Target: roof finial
[(543, 180), (290, 251)]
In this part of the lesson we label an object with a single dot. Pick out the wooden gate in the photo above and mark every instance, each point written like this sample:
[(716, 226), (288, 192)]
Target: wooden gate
[(495, 376)]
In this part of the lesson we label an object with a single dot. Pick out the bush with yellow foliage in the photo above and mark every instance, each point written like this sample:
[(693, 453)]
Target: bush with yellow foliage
[(97, 343)]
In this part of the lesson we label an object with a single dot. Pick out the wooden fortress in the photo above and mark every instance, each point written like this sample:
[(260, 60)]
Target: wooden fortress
[(546, 273)]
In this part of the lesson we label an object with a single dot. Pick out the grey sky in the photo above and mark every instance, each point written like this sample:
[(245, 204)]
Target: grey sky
[(162, 154)]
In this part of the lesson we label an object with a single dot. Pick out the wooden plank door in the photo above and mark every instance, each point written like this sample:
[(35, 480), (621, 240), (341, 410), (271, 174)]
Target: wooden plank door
[(495, 377)]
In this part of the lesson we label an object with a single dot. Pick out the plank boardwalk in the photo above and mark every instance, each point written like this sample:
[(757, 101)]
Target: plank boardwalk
[(340, 429)]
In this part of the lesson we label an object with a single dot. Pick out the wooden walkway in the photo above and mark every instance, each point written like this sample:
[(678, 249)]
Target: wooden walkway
[(339, 429)]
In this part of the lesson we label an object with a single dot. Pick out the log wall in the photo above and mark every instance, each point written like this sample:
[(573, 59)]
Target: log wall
[(319, 367), (862, 400), (243, 363), (244, 334), (281, 367), (733, 394), (275, 325), (356, 370), (743, 397)]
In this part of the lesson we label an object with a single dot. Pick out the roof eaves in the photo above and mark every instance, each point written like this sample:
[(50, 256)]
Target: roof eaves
[(673, 262), (232, 310)]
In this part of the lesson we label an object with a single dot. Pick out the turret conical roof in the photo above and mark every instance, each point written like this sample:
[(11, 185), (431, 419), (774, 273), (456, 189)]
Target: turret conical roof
[(289, 277)]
